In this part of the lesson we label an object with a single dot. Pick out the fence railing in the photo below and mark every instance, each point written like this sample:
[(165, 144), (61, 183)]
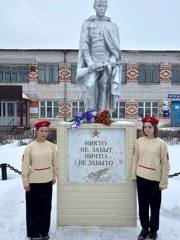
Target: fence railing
[(4, 167)]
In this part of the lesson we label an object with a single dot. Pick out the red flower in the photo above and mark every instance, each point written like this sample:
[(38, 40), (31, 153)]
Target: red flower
[(104, 117), (105, 112), (106, 122)]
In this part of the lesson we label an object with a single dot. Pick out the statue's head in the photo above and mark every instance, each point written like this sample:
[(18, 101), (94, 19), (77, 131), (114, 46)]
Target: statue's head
[(100, 1), (100, 7)]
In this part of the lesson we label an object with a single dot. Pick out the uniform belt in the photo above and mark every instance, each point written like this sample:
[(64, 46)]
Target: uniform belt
[(147, 167), (41, 169)]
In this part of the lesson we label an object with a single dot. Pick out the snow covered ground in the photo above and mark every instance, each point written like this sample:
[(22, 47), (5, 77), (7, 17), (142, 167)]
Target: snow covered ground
[(12, 207)]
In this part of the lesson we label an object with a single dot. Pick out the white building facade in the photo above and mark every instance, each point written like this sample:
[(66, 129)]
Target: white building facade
[(41, 84)]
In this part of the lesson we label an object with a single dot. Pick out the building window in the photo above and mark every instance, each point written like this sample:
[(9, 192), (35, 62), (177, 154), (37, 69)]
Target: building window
[(146, 109), (120, 110), (49, 109), (175, 74), (73, 73), (10, 109), (149, 74), (77, 106), (123, 68), (14, 73), (48, 73)]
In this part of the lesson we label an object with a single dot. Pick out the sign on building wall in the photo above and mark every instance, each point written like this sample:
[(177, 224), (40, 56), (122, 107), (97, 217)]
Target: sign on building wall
[(33, 110), (175, 96), (96, 155)]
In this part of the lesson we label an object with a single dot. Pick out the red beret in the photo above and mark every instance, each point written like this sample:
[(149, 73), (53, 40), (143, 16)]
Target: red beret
[(153, 120), (44, 123)]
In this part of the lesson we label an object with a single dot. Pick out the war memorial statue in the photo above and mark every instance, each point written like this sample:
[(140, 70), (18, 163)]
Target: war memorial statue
[(94, 160), (99, 68)]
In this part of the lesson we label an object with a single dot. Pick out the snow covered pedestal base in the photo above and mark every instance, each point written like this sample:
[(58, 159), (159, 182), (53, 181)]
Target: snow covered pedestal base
[(94, 185)]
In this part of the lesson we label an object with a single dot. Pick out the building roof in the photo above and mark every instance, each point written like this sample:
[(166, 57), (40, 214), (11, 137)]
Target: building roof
[(62, 49)]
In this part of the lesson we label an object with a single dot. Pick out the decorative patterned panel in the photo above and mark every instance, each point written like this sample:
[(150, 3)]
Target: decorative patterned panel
[(165, 73), (33, 73), (131, 110), (68, 72), (62, 72), (64, 110), (132, 72)]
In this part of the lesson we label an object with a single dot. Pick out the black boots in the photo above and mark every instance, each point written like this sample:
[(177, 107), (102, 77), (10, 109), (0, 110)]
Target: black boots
[(45, 237), (153, 235), (35, 238), (143, 234), (41, 237)]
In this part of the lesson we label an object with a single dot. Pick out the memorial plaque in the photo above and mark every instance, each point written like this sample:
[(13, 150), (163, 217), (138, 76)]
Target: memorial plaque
[(96, 155)]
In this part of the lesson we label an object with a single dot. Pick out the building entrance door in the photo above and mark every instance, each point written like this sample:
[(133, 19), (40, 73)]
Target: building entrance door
[(8, 113), (175, 121)]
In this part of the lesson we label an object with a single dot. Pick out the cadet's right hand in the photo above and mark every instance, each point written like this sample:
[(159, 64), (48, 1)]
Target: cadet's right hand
[(27, 188)]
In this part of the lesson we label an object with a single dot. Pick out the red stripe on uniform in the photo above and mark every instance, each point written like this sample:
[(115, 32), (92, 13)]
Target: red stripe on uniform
[(147, 167), (40, 169)]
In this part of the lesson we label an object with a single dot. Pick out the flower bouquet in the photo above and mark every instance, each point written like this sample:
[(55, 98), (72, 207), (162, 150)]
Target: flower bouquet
[(104, 117), (91, 116), (84, 117)]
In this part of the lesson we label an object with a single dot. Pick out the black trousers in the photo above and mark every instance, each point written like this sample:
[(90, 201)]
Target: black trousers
[(149, 198), (38, 209)]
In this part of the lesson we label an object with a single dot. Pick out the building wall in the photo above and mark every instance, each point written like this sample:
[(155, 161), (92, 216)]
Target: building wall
[(65, 92)]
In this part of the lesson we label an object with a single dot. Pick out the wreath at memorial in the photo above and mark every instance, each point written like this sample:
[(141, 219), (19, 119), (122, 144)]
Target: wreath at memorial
[(91, 116)]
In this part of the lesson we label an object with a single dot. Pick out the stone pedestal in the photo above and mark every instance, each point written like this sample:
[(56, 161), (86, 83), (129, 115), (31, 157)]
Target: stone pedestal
[(94, 185)]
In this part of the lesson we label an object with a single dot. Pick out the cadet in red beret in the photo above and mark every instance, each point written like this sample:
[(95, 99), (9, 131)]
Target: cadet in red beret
[(44, 123), (153, 120), (39, 172), (150, 169)]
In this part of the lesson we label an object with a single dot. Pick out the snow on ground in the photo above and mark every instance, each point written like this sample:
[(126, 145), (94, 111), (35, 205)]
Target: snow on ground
[(12, 206)]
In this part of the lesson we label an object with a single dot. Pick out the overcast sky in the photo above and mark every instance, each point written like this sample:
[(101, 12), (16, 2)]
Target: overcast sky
[(143, 24)]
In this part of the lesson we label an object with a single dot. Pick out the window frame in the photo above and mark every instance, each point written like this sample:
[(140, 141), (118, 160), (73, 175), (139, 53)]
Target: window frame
[(46, 73), (8, 71), (79, 108), (73, 73), (118, 109), (175, 73), (46, 106), (124, 75), (151, 108), (149, 74)]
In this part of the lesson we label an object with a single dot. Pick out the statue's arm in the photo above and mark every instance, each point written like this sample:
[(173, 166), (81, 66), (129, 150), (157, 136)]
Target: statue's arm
[(85, 45), (112, 60), (115, 48)]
